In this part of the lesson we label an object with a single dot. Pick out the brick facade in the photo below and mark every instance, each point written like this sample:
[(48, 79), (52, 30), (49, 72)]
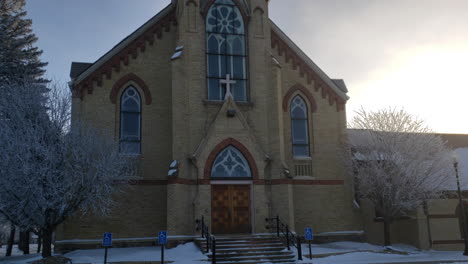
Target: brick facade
[(179, 123)]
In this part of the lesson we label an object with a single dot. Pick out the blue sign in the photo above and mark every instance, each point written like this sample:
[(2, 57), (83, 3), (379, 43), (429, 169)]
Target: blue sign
[(107, 240), (162, 237), (308, 234)]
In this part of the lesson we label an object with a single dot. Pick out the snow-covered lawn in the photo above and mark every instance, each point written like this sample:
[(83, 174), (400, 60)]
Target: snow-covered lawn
[(362, 253), (331, 253), (16, 251)]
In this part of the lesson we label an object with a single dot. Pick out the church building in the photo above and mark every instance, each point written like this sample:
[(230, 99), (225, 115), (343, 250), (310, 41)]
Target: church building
[(229, 120)]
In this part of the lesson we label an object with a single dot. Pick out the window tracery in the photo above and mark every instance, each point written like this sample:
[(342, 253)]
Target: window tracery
[(299, 127), (130, 121), (226, 50), (231, 163)]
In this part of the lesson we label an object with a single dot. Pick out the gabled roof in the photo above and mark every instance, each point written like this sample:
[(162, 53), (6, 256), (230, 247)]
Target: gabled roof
[(243, 3), (136, 42), (78, 68), (341, 84), (455, 141), (130, 46), (336, 93)]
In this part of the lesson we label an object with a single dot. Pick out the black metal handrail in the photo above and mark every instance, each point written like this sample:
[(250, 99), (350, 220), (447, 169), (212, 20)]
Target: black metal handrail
[(283, 232), (210, 239)]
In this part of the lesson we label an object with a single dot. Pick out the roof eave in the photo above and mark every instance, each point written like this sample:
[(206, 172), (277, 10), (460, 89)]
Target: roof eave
[(122, 44), (309, 61)]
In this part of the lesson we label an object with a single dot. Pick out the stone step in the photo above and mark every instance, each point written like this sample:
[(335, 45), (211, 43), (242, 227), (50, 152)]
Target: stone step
[(235, 246), (247, 244), (247, 254), (227, 242), (256, 262), (279, 259), (245, 249), (240, 238), (258, 258), (221, 251)]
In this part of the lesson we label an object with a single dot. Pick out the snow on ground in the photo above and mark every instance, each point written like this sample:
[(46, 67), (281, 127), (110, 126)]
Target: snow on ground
[(362, 253), (16, 251), (181, 254), (331, 253)]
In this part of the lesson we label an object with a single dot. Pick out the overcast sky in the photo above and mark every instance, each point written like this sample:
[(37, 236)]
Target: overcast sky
[(399, 53)]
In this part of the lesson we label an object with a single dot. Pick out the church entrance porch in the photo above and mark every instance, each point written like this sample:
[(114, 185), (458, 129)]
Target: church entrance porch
[(231, 209)]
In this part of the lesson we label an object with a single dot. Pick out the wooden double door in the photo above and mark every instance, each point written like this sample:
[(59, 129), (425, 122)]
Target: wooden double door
[(230, 209)]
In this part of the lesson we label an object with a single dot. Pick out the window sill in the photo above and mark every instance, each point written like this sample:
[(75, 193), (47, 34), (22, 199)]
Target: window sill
[(379, 219), (302, 158), (211, 102), (131, 156), (304, 178)]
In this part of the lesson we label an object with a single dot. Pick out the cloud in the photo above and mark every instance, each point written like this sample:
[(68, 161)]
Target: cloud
[(401, 50)]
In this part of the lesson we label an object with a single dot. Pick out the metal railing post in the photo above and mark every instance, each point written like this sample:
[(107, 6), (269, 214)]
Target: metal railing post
[(287, 237), (299, 248), (277, 226), (213, 251), (207, 242), (203, 226)]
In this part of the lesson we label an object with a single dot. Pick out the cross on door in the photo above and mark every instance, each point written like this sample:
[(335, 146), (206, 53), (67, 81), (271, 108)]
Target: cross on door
[(228, 83)]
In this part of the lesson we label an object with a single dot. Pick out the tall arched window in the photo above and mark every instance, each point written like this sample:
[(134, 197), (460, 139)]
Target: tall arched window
[(300, 127), (130, 121), (226, 51), (230, 163)]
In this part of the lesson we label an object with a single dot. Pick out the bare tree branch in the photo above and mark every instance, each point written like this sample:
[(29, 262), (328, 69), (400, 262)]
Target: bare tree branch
[(48, 173), (397, 161)]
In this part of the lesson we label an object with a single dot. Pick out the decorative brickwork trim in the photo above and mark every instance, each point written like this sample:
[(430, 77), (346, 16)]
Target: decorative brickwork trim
[(120, 84), (225, 143), (304, 91), (148, 182), (204, 182), (442, 216), (133, 49), (245, 16), (447, 242), (305, 182), (182, 181), (255, 182), (306, 71)]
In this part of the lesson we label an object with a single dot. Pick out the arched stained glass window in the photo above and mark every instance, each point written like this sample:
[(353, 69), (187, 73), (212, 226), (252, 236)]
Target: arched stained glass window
[(130, 121), (300, 127), (230, 163), (226, 51)]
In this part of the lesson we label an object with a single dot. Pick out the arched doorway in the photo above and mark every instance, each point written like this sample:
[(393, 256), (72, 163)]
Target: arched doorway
[(231, 192)]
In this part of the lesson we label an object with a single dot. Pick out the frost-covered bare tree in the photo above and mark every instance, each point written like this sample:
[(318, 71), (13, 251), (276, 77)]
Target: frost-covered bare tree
[(48, 173), (397, 161)]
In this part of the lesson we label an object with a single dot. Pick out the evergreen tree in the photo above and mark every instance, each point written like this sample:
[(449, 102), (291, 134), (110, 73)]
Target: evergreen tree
[(19, 58), (19, 64)]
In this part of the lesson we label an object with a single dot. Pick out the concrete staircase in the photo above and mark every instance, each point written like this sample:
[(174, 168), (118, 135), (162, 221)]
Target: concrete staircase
[(249, 249)]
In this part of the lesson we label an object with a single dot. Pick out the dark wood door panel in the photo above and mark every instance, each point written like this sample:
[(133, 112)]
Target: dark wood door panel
[(240, 208), (220, 208), (230, 209)]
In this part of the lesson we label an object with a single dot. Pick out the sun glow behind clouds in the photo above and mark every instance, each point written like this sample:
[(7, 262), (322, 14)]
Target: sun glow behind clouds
[(430, 82)]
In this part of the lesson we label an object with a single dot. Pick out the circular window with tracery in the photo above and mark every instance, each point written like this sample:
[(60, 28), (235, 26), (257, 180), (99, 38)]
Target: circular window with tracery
[(231, 163)]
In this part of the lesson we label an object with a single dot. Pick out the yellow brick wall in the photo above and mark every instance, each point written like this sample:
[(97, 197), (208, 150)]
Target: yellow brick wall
[(140, 211), (180, 124)]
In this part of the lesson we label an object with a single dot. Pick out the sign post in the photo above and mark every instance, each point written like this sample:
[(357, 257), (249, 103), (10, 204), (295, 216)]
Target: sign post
[(309, 237), (106, 243), (162, 239)]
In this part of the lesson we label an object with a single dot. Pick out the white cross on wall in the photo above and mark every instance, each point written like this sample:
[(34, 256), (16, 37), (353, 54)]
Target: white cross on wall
[(228, 83)]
